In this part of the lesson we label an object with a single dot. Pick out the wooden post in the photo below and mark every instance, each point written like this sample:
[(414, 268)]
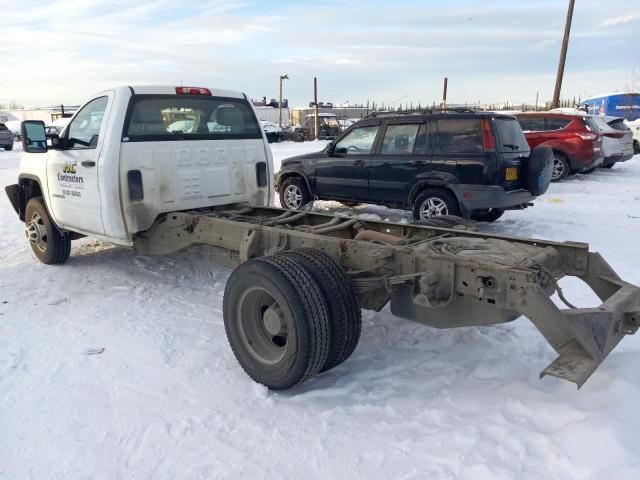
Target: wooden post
[(563, 56), (316, 126), (444, 93)]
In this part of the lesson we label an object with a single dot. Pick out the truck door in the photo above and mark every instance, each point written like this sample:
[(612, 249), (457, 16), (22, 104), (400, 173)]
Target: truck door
[(344, 175), (403, 156), (72, 170)]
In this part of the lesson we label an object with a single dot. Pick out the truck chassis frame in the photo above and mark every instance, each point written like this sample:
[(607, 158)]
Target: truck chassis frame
[(441, 277)]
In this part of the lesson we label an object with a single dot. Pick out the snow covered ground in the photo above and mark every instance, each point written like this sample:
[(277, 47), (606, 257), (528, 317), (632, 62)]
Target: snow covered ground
[(167, 400)]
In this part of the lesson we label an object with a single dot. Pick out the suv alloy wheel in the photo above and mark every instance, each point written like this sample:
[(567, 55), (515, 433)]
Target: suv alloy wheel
[(434, 202)]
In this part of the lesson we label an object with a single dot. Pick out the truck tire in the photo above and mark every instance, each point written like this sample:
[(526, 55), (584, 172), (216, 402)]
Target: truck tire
[(448, 221), (49, 244), (561, 167), (294, 194), (435, 202), (539, 170), (345, 315), (8, 147), (276, 321), (489, 215)]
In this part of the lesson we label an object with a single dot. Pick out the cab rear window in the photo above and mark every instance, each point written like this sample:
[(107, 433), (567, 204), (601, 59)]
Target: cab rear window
[(185, 117)]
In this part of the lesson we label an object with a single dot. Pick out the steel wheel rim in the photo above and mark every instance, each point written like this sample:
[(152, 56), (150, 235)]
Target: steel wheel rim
[(262, 326), (293, 197), (433, 207), (36, 232), (558, 168)]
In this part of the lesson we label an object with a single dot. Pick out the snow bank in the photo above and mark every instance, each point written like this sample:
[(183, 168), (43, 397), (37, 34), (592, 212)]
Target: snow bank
[(167, 400)]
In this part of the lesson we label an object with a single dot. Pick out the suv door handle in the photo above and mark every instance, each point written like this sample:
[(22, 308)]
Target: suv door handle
[(88, 163), (359, 163)]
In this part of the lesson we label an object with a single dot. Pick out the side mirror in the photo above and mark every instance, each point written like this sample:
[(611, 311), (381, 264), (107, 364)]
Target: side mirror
[(331, 148), (340, 151), (55, 140), (34, 138)]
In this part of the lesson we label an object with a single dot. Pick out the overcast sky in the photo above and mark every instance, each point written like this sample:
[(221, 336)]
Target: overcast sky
[(62, 51)]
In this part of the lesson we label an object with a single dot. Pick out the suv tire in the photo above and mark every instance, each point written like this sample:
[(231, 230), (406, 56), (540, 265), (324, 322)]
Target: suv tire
[(294, 194), (435, 202), (561, 167), (47, 242), (8, 148)]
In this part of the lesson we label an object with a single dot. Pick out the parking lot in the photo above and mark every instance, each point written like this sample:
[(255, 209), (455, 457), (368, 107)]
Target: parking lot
[(167, 396)]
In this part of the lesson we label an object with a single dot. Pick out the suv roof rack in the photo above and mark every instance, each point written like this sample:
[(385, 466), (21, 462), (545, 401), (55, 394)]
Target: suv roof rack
[(423, 111)]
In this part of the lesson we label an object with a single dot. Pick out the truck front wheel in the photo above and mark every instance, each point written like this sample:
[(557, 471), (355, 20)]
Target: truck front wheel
[(49, 244)]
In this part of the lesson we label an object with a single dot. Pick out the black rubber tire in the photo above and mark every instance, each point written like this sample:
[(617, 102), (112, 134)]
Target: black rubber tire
[(566, 168), (636, 147), (304, 191), (539, 170), (58, 244), (345, 315), (441, 193), (490, 215), (448, 221), (303, 304), (8, 148)]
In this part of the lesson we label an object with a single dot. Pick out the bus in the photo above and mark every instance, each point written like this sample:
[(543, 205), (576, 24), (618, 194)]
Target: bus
[(623, 105)]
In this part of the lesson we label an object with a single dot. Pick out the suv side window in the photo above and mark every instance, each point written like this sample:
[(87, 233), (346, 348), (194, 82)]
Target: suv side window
[(400, 139), (83, 130), (459, 136), (532, 124), (358, 141), (557, 123)]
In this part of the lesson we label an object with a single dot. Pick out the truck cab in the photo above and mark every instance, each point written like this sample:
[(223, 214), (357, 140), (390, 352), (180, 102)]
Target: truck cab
[(132, 154)]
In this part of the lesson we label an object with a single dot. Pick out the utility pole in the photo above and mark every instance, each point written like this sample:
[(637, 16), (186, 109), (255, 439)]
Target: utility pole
[(536, 107), (282, 77), (563, 56), (444, 93), (316, 126)]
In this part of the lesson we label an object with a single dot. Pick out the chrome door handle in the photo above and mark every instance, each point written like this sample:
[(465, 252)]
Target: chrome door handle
[(88, 163)]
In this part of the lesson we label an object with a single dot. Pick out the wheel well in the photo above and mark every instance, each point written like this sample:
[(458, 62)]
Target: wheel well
[(287, 175), (426, 186), (560, 153), (29, 188)]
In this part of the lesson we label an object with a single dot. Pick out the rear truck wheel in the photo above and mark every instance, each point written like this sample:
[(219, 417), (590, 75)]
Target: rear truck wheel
[(345, 315), (561, 167), (8, 147), (294, 194), (539, 171), (49, 244), (448, 221), (276, 321), (435, 202), (489, 215)]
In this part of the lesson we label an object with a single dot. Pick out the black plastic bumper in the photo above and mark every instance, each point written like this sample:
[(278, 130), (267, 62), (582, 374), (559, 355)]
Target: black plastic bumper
[(480, 197)]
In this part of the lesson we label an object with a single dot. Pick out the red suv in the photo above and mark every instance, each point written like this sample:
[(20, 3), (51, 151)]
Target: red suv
[(575, 140)]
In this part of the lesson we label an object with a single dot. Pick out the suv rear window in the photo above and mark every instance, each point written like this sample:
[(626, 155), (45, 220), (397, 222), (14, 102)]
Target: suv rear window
[(615, 124), (510, 136), (459, 136), (188, 117)]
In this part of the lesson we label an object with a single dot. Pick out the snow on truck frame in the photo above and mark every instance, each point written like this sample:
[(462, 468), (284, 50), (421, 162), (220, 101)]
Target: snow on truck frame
[(292, 305)]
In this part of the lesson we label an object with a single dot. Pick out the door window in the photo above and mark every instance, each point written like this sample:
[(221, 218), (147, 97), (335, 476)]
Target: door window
[(84, 129), (532, 124), (358, 141), (557, 123), (399, 139)]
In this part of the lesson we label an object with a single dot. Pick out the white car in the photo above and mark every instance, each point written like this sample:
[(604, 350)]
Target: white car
[(617, 143), (635, 130)]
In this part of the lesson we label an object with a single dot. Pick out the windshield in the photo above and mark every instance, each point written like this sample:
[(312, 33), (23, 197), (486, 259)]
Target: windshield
[(510, 136), (185, 117)]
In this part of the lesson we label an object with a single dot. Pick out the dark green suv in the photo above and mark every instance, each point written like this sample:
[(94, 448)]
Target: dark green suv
[(472, 164)]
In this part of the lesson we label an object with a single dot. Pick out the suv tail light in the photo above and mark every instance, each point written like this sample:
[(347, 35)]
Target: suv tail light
[(488, 142), (587, 136), (193, 91)]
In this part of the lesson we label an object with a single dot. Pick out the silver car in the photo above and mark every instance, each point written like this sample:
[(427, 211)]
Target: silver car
[(617, 141), (6, 137)]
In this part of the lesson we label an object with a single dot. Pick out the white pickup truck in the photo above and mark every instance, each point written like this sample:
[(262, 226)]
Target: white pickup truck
[(164, 168)]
